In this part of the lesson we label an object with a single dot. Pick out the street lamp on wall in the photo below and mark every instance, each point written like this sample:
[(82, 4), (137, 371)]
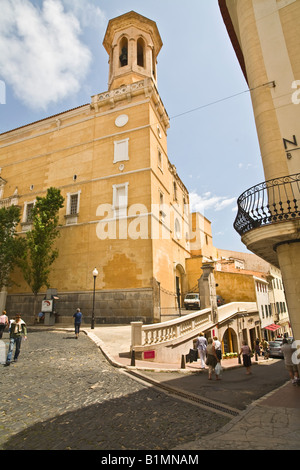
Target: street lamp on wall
[(95, 274)]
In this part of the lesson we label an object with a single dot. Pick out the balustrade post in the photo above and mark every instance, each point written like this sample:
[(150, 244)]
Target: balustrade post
[(136, 333)]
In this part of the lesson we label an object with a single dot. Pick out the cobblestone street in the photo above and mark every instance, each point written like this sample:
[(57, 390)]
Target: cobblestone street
[(63, 394)]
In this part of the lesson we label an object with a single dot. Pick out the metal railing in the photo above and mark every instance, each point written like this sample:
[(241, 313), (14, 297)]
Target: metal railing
[(276, 200)]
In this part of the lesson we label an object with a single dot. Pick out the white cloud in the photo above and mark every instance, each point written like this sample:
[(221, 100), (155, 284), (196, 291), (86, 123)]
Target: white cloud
[(208, 201), (89, 14), (246, 166), (41, 55)]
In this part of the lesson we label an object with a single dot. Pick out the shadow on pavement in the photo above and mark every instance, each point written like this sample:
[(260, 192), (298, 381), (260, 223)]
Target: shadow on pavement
[(235, 389)]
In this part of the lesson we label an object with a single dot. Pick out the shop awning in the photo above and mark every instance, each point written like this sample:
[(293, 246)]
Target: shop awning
[(272, 327)]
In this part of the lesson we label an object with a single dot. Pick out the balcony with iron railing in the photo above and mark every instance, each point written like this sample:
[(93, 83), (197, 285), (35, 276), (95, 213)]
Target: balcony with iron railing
[(267, 206)]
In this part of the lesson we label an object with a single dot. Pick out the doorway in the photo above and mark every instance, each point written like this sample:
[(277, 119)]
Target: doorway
[(230, 343)]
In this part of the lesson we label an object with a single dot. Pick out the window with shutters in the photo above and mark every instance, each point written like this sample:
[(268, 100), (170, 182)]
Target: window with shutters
[(121, 150), (120, 199)]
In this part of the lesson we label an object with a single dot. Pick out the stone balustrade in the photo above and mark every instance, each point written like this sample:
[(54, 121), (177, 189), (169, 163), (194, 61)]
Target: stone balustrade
[(168, 340)]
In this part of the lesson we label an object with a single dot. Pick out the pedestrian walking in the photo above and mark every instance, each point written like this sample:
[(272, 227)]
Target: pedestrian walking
[(212, 359), (77, 322), (201, 346), (217, 345), (17, 330), (3, 322), (257, 347), (292, 368), (246, 352), (265, 347)]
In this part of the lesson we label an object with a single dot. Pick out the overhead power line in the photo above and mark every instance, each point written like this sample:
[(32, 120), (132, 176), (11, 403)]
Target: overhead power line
[(269, 84)]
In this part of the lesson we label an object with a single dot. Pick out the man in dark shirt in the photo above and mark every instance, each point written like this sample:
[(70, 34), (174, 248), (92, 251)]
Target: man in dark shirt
[(78, 319)]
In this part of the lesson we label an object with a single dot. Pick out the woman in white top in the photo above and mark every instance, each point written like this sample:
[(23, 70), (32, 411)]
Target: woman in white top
[(217, 345)]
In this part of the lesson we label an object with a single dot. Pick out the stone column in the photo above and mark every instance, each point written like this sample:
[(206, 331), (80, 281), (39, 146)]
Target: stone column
[(207, 290), (289, 260)]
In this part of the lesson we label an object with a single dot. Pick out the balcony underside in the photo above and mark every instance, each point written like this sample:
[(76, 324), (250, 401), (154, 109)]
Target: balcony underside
[(263, 240)]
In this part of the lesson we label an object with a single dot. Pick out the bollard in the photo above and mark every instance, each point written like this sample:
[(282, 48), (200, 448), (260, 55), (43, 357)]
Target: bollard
[(132, 358), (240, 362), (182, 362)]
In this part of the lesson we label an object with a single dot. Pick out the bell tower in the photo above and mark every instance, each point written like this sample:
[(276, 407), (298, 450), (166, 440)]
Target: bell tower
[(133, 43)]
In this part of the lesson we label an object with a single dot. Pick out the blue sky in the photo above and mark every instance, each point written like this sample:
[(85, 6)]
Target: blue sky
[(52, 60)]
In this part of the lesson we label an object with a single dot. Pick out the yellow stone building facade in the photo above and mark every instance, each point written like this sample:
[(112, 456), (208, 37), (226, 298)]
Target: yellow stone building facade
[(126, 209), (265, 36)]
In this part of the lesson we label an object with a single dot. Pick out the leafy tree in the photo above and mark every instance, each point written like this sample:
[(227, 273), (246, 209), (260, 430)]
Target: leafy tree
[(11, 246), (40, 252)]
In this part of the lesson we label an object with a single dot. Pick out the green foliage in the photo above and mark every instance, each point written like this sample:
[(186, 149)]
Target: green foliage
[(11, 246), (40, 252)]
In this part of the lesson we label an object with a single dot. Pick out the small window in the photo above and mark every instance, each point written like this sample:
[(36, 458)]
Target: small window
[(159, 160), (267, 311), (72, 211), (161, 206), (120, 199), (177, 229), (27, 216), (121, 150), (74, 204), (29, 209), (175, 191)]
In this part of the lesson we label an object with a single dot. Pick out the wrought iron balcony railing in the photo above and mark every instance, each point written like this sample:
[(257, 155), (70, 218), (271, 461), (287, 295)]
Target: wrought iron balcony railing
[(272, 201)]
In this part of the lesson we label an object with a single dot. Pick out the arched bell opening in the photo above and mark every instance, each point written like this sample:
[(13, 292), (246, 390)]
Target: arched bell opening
[(140, 49), (123, 52)]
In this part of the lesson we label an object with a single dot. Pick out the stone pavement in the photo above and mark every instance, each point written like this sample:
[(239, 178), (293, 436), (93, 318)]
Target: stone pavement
[(63, 394), (272, 421), (102, 402)]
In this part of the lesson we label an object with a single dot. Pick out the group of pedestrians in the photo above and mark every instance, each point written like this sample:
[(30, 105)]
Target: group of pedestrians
[(262, 348), (210, 354)]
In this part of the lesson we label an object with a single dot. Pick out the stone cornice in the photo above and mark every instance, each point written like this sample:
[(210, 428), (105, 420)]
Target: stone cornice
[(144, 87)]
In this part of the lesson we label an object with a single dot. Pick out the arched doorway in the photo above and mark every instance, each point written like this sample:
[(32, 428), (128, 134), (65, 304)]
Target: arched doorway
[(229, 341), (179, 285)]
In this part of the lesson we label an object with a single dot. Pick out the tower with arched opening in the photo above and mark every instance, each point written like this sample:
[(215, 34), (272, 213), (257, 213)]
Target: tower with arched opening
[(133, 43)]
